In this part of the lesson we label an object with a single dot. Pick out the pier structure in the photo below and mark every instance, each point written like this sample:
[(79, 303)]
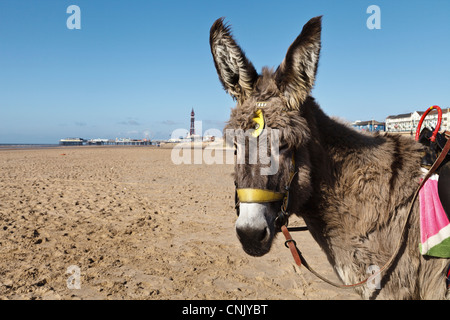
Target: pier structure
[(133, 142), (101, 142)]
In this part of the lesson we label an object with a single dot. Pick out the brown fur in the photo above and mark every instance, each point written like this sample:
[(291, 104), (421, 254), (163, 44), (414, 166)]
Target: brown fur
[(352, 189)]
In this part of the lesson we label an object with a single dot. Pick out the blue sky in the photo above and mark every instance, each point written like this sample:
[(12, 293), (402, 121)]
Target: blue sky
[(136, 68)]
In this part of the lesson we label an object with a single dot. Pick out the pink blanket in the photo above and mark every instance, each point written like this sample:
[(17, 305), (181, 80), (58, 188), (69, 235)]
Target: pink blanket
[(434, 224)]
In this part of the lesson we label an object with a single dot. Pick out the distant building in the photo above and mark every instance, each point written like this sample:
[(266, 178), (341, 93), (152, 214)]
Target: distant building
[(370, 125), (407, 123), (100, 142), (71, 142), (132, 142), (192, 136), (192, 130)]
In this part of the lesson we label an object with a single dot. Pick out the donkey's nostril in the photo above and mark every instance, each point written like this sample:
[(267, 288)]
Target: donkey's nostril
[(263, 234), (251, 234)]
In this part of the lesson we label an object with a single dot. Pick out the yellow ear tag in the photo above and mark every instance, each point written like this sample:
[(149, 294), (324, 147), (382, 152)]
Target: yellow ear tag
[(259, 120)]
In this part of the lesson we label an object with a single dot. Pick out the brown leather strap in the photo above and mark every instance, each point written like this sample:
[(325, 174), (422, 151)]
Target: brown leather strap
[(292, 245), (299, 260)]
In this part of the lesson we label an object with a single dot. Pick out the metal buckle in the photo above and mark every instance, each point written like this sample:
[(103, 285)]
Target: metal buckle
[(282, 219), (286, 243)]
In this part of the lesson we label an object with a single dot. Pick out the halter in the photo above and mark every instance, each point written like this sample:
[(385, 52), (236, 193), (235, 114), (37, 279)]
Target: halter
[(254, 195)]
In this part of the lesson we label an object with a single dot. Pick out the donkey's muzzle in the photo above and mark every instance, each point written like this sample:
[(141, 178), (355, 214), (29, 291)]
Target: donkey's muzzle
[(254, 228)]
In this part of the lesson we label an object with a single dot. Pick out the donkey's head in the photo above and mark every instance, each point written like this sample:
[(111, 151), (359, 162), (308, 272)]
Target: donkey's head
[(270, 106)]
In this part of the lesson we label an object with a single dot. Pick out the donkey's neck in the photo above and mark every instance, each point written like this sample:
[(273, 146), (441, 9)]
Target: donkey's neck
[(359, 162), (339, 140), (360, 182)]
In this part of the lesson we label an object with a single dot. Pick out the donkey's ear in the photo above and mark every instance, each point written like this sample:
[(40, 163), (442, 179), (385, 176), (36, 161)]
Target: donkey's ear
[(235, 71), (296, 74)]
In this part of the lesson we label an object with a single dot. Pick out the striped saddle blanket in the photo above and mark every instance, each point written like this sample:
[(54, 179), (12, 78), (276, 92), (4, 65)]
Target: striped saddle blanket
[(434, 222)]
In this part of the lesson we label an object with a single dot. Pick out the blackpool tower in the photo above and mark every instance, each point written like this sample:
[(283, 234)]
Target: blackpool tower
[(192, 130)]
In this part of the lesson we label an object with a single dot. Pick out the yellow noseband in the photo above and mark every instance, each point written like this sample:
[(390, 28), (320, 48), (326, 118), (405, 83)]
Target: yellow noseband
[(248, 195)]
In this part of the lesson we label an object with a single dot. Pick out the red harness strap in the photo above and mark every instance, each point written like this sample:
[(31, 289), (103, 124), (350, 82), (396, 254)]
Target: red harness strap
[(299, 260), (292, 245)]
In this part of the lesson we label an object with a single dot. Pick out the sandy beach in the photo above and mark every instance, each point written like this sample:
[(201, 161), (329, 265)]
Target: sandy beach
[(135, 226)]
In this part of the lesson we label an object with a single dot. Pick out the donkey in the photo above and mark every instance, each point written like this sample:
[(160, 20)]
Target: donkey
[(351, 188)]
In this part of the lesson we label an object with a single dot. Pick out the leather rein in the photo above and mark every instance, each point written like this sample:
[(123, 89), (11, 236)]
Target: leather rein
[(260, 195)]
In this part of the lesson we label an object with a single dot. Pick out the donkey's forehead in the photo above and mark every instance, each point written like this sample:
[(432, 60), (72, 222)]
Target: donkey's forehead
[(270, 104), (272, 109)]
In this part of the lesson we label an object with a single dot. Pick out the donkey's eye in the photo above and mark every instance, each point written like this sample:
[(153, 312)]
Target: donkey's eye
[(236, 147)]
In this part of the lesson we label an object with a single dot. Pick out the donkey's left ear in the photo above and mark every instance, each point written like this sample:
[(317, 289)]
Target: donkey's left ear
[(296, 74), (235, 71)]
